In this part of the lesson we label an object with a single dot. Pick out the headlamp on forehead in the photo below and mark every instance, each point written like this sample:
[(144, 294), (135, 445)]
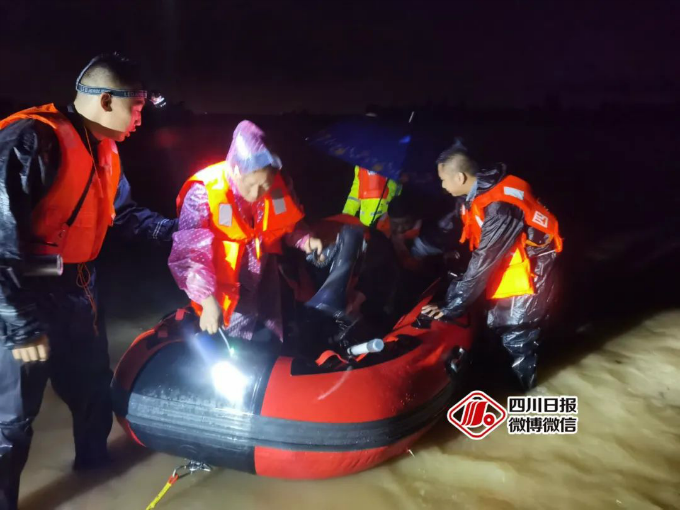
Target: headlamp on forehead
[(155, 98), (95, 91)]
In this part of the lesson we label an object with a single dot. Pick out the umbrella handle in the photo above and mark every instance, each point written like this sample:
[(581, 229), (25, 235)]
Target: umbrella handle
[(375, 220)]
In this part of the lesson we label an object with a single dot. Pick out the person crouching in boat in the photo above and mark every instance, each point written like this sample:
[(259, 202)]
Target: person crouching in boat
[(233, 217)]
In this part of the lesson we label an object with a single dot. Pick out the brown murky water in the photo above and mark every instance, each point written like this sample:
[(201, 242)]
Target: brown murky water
[(626, 453)]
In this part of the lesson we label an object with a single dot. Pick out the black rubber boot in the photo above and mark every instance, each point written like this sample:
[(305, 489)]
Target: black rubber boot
[(522, 342)]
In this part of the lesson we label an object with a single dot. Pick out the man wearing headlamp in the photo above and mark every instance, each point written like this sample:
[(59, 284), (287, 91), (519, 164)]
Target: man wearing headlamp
[(61, 188)]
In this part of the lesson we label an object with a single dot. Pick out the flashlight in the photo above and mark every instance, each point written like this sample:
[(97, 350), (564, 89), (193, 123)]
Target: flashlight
[(229, 381), (156, 99), (35, 266), (44, 265), (375, 345)]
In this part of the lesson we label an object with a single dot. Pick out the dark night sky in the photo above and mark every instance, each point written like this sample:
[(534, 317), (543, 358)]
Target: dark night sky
[(334, 56)]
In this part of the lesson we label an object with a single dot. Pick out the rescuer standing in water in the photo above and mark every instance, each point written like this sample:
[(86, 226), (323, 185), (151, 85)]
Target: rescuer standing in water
[(515, 242), (62, 187)]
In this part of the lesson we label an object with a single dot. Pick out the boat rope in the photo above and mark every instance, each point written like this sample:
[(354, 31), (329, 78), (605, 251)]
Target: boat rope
[(180, 472)]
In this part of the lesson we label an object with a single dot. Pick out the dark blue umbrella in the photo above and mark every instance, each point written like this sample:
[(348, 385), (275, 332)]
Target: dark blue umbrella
[(367, 142)]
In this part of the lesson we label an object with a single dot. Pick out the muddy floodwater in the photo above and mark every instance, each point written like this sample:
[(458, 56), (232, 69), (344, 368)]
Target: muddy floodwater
[(626, 453)]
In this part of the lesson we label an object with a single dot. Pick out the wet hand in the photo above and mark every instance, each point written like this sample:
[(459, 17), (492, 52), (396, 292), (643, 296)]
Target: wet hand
[(38, 350), (432, 311), (211, 316), (314, 244)]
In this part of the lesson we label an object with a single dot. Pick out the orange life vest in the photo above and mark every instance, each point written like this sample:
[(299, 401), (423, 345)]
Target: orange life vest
[(514, 276), (232, 234), (82, 241), (372, 185)]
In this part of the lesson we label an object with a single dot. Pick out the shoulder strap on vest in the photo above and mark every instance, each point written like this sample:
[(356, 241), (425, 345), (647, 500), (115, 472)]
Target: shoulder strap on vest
[(510, 189), (81, 200), (208, 176), (46, 113)]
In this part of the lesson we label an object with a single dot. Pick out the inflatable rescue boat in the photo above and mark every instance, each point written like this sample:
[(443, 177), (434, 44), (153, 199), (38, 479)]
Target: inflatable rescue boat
[(244, 406)]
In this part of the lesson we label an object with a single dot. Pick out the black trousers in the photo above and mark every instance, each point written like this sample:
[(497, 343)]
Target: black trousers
[(521, 342), (79, 370), (521, 321)]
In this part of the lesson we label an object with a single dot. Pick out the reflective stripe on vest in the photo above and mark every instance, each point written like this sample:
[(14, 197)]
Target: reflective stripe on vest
[(372, 209), (513, 192), (232, 234), (82, 241), (513, 277)]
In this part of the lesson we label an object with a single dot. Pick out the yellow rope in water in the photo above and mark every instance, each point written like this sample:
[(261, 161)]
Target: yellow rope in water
[(165, 489)]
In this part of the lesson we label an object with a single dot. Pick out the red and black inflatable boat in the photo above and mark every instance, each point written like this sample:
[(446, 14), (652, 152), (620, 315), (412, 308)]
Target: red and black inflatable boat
[(281, 416), (254, 409)]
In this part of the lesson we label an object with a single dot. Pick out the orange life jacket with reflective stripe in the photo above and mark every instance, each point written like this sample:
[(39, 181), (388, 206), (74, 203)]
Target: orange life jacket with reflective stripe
[(232, 234), (82, 241), (372, 185), (514, 276)]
